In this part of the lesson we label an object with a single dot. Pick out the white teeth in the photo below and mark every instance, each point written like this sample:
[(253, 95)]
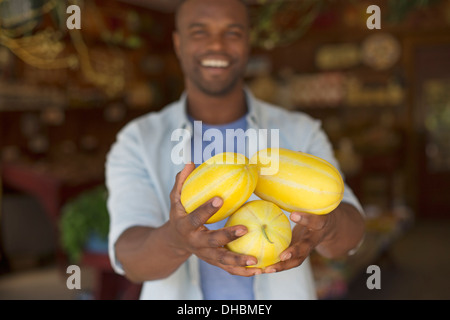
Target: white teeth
[(215, 63)]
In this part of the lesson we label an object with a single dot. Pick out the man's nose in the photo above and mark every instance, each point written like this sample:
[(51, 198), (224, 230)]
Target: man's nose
[(216, 42)]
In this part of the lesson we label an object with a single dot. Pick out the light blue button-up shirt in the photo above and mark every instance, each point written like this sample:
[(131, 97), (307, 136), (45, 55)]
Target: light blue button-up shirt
[(141, 170)]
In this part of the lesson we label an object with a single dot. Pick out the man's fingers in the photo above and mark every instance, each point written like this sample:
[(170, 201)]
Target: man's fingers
[(199, 216), (180, 179), (175, 194), (224, 257), (292, 257), (284, 265), (242, 271), (219, 238), (311, 221)]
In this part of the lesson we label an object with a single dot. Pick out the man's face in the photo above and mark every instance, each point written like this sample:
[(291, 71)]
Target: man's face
[(212, 44)]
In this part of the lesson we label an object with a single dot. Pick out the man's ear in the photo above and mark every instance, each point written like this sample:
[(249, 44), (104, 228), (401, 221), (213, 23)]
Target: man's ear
[(176, 43)]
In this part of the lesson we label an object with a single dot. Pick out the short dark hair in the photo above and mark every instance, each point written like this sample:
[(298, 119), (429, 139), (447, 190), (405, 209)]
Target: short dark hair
[(181, 2)]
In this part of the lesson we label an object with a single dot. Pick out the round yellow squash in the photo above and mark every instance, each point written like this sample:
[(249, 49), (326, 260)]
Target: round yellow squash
[(302, 183), (227, 175), (269, 232)]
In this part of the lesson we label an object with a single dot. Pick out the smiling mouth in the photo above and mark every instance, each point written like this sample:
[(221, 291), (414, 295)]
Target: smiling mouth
[(214, 63)]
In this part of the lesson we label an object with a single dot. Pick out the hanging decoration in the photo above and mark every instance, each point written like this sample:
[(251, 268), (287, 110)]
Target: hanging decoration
[(280, 22), (41, 49), (107, 75), (22, 33)]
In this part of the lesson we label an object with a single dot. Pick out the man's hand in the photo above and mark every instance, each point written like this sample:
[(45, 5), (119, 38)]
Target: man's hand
[(190, 236), (306, 235), (332, 235)]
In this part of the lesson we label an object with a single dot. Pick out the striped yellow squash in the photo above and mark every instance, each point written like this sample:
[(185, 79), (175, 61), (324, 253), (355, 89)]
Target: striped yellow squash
[(269, 232), (303, 182), (227, 175)]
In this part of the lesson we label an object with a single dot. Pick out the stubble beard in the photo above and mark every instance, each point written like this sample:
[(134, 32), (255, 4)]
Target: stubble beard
[(216, 89)]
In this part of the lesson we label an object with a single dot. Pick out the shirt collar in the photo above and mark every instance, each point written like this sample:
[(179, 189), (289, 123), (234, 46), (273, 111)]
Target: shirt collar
[(253, 115), (254, 112)]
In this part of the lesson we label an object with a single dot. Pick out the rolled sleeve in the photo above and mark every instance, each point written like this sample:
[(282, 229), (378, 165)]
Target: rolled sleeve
[(132, 198)]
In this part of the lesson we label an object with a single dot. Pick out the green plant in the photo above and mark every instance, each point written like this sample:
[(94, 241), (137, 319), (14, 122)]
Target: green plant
[(82, 217)]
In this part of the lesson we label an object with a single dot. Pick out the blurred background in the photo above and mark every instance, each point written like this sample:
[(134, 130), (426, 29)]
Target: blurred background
[(383, 96)]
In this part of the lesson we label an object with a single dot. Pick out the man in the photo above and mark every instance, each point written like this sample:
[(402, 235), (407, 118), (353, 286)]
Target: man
[(152, 239)]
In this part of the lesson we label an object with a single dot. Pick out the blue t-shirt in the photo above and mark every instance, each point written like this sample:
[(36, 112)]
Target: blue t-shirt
[(216, 283)]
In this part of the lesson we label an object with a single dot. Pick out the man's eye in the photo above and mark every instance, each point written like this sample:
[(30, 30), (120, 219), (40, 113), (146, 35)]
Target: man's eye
[(234, 34), (198, 32)]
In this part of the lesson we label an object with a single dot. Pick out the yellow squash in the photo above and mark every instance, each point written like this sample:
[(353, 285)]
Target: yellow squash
[(269, 232), (227, 175), (303, 182)]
